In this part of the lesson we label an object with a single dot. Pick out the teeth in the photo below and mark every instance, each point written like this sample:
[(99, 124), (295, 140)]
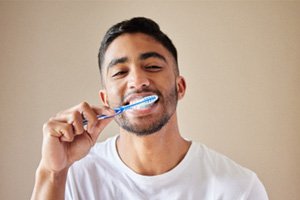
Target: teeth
[(142, 105), (134, 100)]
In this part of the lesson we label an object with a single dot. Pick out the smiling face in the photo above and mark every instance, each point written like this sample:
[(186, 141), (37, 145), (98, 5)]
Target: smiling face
[(135, 66)]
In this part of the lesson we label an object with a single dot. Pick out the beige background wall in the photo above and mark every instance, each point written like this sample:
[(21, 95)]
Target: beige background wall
[(241, 62)]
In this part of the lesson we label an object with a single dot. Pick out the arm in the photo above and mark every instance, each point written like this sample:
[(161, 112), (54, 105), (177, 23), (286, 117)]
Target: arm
[(66, 140), (49, 185)]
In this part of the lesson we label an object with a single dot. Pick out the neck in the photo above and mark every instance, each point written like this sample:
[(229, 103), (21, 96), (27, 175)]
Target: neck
[(153, 154)]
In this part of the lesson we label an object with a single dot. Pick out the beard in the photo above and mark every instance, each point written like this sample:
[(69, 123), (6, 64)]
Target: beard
[(146, 126)]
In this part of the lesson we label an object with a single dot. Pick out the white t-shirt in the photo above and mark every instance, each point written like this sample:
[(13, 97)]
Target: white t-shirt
[(203, 174)]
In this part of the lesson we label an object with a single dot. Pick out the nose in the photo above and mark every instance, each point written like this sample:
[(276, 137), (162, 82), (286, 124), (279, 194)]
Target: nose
[(138, 79)]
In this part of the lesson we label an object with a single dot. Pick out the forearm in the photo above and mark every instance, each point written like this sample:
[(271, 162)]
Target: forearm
[(49, 185)]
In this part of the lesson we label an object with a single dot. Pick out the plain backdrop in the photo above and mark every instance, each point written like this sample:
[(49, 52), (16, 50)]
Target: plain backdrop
[(240, 59)]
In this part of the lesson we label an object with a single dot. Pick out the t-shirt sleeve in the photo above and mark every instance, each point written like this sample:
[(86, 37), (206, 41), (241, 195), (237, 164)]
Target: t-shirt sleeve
[(256, 190)]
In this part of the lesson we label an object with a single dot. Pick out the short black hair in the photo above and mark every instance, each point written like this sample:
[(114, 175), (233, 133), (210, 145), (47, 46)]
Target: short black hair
[(136, 25)]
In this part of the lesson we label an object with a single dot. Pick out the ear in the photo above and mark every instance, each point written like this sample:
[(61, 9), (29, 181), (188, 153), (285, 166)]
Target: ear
[(103, 97), (181, 86)]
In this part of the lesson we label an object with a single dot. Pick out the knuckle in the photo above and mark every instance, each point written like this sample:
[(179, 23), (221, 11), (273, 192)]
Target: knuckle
[(84, 105), (45, 126), (59, 114), (76, 115), (48, 128), (52, 121), (69, 128), (66, 128), (73, 116)]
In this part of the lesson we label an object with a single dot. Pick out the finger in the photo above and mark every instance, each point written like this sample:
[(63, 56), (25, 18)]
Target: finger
[(89, 114), (105, 110), (65, 131), (76, 122), (101, 124), (72, 117), (76, 115), (98, 128), (61, 130)]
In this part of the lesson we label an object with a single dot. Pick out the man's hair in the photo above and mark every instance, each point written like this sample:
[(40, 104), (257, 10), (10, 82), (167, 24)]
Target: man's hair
[(136, 25)]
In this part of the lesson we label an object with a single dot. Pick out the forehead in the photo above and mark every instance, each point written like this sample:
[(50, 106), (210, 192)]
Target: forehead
[(131, 46)]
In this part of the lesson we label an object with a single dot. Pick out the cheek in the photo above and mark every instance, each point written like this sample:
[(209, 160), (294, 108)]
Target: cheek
[(114, 95), (167, 84)]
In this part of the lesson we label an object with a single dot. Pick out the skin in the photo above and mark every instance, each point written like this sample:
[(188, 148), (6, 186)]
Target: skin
[(126, 75)]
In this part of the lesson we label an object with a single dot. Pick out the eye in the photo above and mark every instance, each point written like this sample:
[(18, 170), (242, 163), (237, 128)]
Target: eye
[(153, 68), (119, 74)]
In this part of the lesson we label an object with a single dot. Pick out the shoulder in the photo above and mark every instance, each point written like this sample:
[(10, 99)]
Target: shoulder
[(228, 175), (218, 163)]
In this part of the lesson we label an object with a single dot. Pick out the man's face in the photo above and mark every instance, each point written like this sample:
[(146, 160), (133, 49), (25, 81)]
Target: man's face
[(135, 66)]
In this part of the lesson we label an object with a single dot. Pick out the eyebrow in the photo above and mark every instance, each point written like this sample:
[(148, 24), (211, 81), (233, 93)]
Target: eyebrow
[(147, 55), (116, 61), (143, 56)]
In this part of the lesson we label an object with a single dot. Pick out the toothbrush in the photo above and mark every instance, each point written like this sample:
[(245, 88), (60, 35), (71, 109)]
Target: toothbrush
[(118, 110)]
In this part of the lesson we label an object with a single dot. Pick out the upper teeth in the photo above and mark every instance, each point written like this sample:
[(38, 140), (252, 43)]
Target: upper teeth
[(141, 105), (134, 100)]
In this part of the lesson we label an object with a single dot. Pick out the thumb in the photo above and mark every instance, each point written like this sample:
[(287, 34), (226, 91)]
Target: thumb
[(101, 124)]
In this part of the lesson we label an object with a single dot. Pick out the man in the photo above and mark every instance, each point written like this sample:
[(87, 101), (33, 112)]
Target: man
[(148, 159)]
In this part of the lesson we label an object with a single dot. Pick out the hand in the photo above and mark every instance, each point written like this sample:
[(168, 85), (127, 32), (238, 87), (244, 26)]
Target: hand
[(66, 140)]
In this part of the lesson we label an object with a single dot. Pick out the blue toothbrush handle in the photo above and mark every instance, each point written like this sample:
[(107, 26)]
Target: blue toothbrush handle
[(100, 117)]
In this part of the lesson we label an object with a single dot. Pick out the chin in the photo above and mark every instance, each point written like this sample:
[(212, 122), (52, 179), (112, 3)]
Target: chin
[(144, 126)]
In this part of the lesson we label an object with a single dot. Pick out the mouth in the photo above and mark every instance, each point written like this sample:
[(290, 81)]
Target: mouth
[(144, 104), (134, 99)]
